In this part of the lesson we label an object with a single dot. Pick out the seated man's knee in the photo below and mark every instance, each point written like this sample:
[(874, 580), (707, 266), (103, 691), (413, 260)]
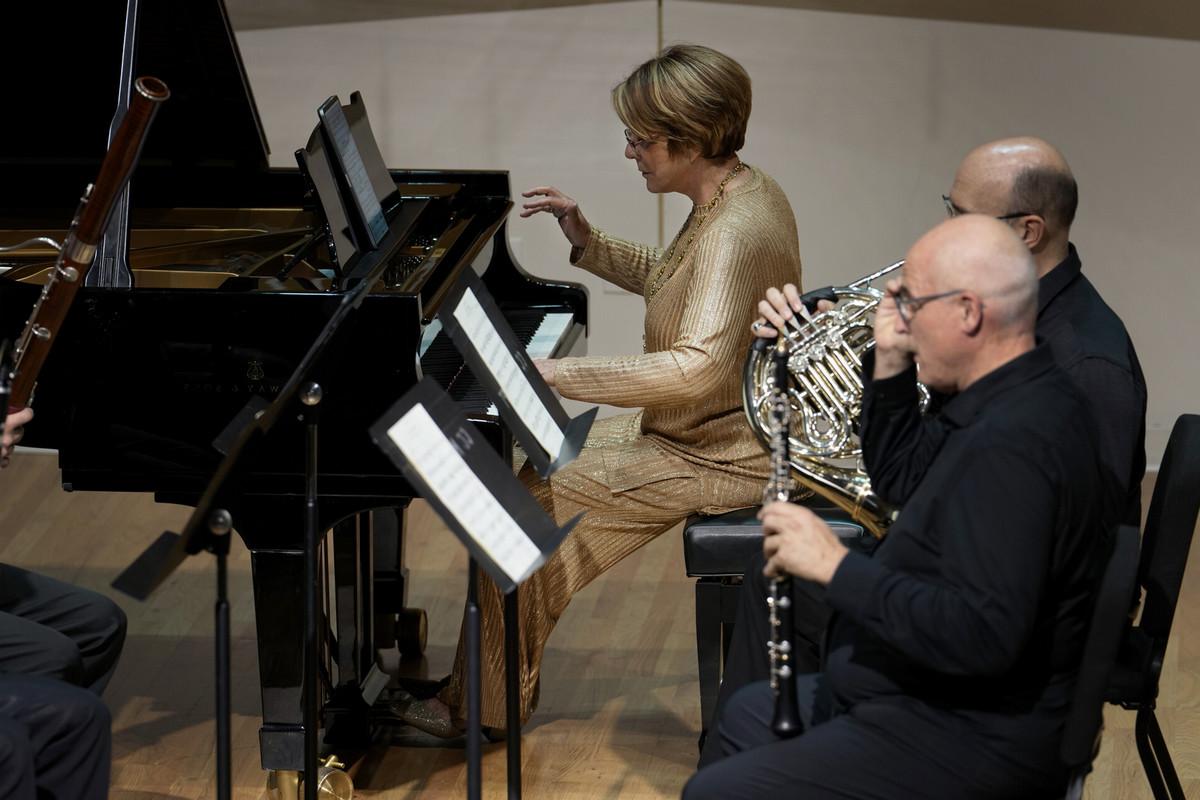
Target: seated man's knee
[(746, 719), (106, 620), (55, 656), (17, 781), (119, 625), (15, 749), (698, 787), (85, 713)]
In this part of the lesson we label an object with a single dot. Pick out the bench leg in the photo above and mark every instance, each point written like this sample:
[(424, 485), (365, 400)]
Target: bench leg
[(708, 647)]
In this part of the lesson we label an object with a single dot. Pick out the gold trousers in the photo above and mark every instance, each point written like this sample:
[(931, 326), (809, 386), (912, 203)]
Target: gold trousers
[(630, 491)]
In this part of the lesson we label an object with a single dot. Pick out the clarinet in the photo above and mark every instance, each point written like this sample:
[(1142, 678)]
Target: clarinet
[(79, 249), (786, 722)]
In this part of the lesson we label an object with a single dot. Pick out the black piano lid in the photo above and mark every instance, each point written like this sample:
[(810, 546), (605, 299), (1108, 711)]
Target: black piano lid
[(61, 66)]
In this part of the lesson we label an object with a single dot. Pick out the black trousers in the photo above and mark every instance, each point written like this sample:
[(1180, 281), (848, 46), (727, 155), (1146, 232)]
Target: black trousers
[(56, 630), (55, 741), (747, 661), (896, 749)]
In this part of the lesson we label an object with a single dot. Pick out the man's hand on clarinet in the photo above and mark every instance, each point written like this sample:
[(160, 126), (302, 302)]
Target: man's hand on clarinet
[(570, 219), (797, 542), (14, 429), (779, 306)]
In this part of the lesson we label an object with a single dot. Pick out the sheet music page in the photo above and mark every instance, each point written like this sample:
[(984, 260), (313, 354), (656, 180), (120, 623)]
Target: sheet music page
[(356, 173), (457, 486), (504, 368)]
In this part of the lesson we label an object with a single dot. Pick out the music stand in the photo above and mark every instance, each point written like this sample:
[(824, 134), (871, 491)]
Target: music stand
[(549, 437), (209, 525), (476, 494), (474, 322)]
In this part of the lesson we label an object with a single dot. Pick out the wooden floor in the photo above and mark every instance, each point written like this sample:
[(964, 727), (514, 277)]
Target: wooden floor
[(619, 710)]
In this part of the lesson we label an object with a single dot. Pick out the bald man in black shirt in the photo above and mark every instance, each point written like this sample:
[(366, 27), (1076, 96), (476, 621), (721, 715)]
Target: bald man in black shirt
[(1026, 183), (953, 651)]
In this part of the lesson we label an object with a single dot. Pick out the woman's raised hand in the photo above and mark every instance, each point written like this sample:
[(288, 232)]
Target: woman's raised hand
[(564, 209)]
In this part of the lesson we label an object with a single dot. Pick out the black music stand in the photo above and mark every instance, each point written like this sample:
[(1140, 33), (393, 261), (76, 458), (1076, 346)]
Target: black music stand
[(549, 437), (210, 522), (345, 193), (476, 494), (500, 364)]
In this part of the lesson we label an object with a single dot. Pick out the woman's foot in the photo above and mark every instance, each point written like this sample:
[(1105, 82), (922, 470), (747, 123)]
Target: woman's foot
[(430, 715)]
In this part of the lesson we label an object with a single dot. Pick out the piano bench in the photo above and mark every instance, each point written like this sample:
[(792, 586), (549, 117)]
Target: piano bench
[(716, 551)]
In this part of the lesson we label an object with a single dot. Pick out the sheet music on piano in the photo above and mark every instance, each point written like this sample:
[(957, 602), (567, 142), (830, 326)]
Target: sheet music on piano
[(467, 484), (550, 438), (367, 221), (503, 367)]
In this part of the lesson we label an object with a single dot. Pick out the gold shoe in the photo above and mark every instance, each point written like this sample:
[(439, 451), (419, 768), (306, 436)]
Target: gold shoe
[(430, 716)]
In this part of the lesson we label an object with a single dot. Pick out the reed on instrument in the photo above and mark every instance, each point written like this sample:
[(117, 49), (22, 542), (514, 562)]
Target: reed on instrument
[(78, 251), (780, 648)]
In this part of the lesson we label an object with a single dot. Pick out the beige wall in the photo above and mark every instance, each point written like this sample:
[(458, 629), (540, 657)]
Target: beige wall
[(861, 119)]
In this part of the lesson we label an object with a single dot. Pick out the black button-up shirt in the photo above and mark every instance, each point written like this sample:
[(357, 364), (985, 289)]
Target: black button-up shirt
[(1090, 343), (976, 602)]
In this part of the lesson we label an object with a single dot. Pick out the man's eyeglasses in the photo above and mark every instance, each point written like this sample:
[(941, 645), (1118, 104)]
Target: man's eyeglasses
[(908, 305), (635, 142), (954, 211)]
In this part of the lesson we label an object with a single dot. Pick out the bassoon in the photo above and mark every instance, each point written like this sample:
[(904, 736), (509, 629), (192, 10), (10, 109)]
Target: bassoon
[(78, 251)]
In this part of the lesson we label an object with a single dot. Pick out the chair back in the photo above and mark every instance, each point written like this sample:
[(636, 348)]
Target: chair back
[(1169, 527), (1109, 614)]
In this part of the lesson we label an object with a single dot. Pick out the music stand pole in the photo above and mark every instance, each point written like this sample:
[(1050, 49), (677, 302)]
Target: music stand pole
[(220, 525), (474, 678), (512, 692), (310, 396)]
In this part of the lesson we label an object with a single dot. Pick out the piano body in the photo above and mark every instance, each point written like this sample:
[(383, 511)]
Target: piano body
[(227, 279)]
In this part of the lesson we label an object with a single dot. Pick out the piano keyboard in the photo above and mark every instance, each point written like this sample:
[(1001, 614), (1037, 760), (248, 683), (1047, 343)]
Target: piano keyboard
[(545, 340), (540, 332)]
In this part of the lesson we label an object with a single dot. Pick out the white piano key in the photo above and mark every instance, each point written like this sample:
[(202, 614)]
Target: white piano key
[(545, 340)]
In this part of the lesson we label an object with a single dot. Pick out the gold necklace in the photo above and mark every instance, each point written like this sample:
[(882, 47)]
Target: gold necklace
[(695, 220)]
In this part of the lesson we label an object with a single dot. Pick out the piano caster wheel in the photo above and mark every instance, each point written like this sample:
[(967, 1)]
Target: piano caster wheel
[(412, 631), (333, 782)]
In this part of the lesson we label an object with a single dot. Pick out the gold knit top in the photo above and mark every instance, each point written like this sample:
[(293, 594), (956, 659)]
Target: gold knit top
[(697, 330)]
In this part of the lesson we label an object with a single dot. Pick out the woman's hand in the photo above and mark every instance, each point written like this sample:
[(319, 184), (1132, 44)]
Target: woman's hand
[(564, 209), (778, 307), (548, 367)]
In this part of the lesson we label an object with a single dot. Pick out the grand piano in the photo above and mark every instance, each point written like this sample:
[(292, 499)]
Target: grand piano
[(207, 293)]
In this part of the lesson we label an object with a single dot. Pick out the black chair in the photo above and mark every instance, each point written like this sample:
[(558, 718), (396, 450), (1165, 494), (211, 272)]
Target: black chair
[(716, 550), (1081, 734), (1165, 543)]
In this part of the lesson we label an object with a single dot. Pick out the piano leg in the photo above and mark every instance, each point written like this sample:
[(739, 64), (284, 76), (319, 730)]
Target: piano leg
[(391, 576), (365, 608), (395, 623), (347, 715), (278, 597)]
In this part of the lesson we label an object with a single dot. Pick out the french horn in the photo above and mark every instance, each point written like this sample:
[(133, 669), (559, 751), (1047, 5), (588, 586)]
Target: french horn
[(825, 393)]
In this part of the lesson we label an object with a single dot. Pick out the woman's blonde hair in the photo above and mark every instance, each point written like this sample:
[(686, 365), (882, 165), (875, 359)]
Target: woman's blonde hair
[(688, 95)]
